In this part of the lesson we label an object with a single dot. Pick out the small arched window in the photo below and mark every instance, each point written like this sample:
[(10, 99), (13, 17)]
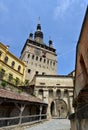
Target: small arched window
[(36, 57), (40, 58), (53, 63), (6, 59), (44, 60), (28, 55), (19, 68), (65, 93), (32, 57), (12, 64)]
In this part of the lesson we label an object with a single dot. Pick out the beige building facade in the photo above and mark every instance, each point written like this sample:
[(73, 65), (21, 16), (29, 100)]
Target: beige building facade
[(12, 69), (41, 71), (56, 91)]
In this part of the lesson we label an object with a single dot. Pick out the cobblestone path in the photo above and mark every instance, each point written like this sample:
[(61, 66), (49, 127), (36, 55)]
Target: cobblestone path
[(54, 124)]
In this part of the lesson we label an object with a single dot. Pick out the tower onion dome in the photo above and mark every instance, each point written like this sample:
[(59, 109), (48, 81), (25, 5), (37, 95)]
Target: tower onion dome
[(38, 32)]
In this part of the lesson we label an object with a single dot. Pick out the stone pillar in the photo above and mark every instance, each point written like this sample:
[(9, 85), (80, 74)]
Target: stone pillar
[(71, 101), (45, 95), (36, 92), (46, 100), (55, 111), (40, 112)]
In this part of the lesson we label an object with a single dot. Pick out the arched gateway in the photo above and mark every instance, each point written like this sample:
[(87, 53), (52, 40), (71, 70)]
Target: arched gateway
[(58, 108)]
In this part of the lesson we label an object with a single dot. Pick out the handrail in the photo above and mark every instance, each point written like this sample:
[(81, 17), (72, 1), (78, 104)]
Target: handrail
[(8, 121), (16, 117)]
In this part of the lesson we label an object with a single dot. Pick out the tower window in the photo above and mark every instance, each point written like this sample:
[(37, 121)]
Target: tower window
[(44, 60), (53, 63), (40, 58), (36, 72), (29, 70), (32, 57), (28, 55), (36, 57), (6, 59), (43, 73)]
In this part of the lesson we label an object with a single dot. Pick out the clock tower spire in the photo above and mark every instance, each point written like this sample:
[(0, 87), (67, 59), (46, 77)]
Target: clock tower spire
[(38, 35)]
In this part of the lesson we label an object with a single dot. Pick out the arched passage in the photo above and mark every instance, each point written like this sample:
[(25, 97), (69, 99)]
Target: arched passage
[(61, 108), (52, 107)]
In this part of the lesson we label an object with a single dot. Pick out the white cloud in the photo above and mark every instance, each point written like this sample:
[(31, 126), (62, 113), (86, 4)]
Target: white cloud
[(62, 7)]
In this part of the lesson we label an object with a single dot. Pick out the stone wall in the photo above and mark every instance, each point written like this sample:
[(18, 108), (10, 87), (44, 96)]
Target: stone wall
[(79, 120)]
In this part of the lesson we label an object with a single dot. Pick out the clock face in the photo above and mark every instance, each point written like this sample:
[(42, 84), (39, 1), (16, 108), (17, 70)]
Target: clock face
[(37, 51)]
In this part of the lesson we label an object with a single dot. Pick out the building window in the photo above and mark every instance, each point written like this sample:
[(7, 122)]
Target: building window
[(51, 93), (44, 60), (12, 64), (19, 68), (40, 59), (2, 73), (29, 70), (6, 59), (0, 53), (58, 93), (53, 63), (36, 72), (10, 77), (36, 57), (17, 80), (32, 57), (65, 93), (43, 73), (28, 55)]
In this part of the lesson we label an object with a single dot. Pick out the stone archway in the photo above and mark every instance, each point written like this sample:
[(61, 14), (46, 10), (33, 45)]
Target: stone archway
[(61, 108), (52, 107)]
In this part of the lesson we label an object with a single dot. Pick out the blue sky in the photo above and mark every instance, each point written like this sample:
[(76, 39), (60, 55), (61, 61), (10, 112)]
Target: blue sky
[(60, 19)]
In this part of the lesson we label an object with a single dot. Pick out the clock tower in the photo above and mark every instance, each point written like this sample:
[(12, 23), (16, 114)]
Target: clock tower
[(39, 57)]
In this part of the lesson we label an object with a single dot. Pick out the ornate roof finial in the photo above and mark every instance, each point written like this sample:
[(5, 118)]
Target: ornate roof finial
[(50, 42), (39, 20), (38, 25)]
